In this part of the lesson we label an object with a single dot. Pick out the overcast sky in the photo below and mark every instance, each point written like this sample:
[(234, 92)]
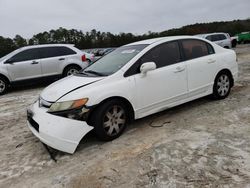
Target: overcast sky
[(29, 17)]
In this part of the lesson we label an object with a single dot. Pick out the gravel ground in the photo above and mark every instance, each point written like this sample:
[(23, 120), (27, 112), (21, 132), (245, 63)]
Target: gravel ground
[(203, 143)]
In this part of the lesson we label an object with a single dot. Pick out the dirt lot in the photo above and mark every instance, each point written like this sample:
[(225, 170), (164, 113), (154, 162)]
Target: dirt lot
[(204, 143)]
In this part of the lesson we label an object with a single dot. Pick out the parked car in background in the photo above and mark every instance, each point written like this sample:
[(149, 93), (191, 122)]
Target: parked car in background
[(99, 52), (40, 61), (89, 56), (234, 41), (131, 82), (222, 39), (243, 37)]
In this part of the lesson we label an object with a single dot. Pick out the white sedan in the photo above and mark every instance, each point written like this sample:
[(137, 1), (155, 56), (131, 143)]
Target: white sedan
[(132, 82)]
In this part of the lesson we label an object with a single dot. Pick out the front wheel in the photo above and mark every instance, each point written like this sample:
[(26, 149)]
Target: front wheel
[(222, 86), (3, 86), (110, 120)]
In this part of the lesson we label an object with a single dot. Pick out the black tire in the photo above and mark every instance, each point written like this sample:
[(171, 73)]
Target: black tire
[(3, 85), (222, 85), (72, 69), (234, 43), (109, 123), (89, 61)]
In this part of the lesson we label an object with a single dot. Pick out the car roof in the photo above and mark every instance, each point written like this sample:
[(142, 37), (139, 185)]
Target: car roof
[(46, 45), (170, 38), (206, 34)]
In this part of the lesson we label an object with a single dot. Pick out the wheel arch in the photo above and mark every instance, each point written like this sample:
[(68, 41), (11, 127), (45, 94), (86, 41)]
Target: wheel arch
[(72, 64), (5, 77), (229, 73), (123, 100)]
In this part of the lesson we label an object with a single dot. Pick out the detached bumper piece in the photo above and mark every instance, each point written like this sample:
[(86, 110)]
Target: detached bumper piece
[(50, 153), (60, 133)]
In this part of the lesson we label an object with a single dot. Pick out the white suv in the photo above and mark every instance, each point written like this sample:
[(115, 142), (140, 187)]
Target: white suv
[(222, 39), (38, 62)]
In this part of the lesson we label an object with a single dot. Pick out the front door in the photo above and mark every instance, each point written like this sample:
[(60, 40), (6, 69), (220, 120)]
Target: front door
[(164, 87), (24, 65)]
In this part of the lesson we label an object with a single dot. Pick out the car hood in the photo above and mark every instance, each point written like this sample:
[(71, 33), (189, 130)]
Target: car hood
[(66, 85)]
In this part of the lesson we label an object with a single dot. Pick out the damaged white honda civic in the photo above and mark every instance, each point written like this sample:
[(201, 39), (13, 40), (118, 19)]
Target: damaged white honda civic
[(132, 82)]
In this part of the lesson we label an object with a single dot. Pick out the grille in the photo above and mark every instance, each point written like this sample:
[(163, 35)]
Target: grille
[(34, 124)]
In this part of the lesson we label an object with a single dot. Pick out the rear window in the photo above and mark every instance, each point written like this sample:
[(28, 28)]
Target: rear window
[(216, 37)]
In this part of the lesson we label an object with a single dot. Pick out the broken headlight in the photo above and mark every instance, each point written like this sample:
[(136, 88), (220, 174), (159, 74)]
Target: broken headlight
[(67, 105), (70, 109)]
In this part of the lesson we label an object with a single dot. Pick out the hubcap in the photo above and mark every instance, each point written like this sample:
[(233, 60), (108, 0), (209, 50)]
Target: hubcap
[(2, 86), (223, 85), (114, 120), (72, 71)]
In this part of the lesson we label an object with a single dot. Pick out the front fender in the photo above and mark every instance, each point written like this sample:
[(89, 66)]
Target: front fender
[(104, 89)]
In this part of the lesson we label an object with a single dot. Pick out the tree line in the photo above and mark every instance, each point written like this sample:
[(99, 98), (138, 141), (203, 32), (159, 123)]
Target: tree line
[(97, 39)]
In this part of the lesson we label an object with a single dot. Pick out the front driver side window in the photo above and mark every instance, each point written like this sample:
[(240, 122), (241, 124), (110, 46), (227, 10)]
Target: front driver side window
[(162, 55), (25, 55)]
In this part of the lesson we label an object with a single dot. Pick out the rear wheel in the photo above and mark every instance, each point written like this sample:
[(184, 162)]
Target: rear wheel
[(222, 85), (110, 120), (234, 43), (73, 69), (3, 86), (89, 61)]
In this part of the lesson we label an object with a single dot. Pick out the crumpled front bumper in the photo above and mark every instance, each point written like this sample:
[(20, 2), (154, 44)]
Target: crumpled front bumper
[(57, 132)]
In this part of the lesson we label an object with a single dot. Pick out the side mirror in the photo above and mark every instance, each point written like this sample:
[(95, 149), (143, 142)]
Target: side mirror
[(9, 61), (149, 66)]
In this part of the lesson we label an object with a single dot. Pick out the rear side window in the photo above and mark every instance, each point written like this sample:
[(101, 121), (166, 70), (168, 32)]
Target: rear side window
[(222, 37), (163, 55), (26, 55), (209, 37), (216, 37), (196, 48), (55, 52)]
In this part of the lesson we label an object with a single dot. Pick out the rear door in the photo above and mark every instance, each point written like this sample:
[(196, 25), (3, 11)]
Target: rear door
[(201, 66), (222, 40), (53, 58), (25, 65)]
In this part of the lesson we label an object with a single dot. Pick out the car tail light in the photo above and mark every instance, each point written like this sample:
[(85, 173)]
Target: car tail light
[(84, 58)]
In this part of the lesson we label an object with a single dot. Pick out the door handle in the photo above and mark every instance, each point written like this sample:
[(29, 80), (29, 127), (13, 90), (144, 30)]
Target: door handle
[(179, 69), (34, 62), (61, 59), (211, 61)]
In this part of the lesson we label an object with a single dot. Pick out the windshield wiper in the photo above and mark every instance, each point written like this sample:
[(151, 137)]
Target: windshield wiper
[(94, 72)]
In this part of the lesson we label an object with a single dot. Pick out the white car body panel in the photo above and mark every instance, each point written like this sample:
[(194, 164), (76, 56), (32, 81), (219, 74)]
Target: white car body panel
[(56, 90), (185, 81), (24, 70), (151, 102), (50, 66)]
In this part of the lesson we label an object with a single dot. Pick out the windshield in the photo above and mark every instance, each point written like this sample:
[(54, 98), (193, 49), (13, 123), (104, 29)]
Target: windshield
[(115, 60)]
